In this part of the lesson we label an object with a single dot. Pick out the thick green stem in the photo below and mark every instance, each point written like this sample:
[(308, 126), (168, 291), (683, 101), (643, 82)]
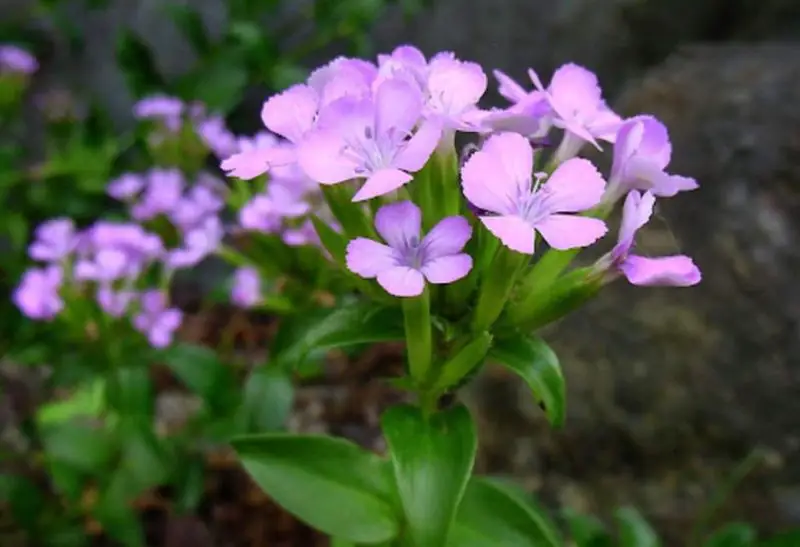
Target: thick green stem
[(417, 322), (496, 287), (350, 215)]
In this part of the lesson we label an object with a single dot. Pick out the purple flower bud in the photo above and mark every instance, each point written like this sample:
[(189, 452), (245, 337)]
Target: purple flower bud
[(37, 294), (246, 290), (155, 320), (126, 187)]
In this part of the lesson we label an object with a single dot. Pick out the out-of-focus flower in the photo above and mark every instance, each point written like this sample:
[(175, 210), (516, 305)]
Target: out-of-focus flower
[(54, 240), (406, 261), (126, 186), (498, 179), (162, 194), (37, 294), (155, 320), (198, 243), (16, 60), (246, 290)]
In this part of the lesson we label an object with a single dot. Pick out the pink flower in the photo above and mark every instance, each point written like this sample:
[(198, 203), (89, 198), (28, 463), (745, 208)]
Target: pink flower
[(676, 271), (373, 139), (406, 261), (498, 179)]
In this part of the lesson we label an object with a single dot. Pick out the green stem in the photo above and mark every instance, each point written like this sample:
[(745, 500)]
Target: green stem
[(417, 322), (496, 287), (349, 214)]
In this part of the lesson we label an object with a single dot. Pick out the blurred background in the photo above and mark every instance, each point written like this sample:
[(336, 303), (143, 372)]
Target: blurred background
[(671, 392)]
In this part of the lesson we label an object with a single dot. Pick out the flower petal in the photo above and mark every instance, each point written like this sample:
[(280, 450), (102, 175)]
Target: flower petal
[(492, 176), (448, 237), (398, 107), (418, 149), (636, 212), (447, 269), (368, 258), (250, 164), (319, 155), (576, 185), (570, 231), (402, 281), (291, 114), (382, 182), (509, 88), (574, 89), (454, 86), (512, 231), (399, 223), (674, 271)]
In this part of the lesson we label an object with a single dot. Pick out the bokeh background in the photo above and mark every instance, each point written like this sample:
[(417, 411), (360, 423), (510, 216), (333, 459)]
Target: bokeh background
[(669, 390)]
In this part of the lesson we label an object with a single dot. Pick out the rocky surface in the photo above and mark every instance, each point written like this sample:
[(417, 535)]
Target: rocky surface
[(670, 388)]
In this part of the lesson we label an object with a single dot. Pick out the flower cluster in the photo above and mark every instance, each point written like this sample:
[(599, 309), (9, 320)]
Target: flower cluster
[(126, 266), (375, 127)]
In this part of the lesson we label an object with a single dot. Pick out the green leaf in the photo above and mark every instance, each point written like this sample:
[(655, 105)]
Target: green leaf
[(349, 325), (331, 484), (587, 530), (268, 399), (82, 446), (190, 485), (114, 511), (24, 500), (200, 369), (735, 534), (634, 530), (86, 401), (219, 84), (191, 25), (432, 459), (533, 360), (129, 392), (493, 515), (334, 242)]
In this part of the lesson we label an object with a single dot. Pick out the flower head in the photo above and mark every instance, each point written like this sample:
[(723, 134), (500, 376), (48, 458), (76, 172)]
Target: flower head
[(114, 302), (371, 138), (163, 193), (37, 294), (163, 108), (246, 290), (406, 261), (126, 186), (54, 240), (17, 60), (641, 154), (198, 243), (109, 251), (676, 271), (215, 134), (498, 179), (155, 320)]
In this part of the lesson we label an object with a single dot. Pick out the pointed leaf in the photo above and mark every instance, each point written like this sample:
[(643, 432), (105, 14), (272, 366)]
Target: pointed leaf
[(491, 514), (432, 459), (349, 325), (331, 484), (634, 530), (268, 399), (533, 360), (200, 369), (587, 530)]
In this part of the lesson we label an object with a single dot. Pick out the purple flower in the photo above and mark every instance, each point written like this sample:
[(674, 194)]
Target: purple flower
[(454, 88), (265, 212), (403, 266), (498, 179), (163, 193), (126, 186), (155, 320), (676, 271), (200, 202), (305, 234), (109, 251), (372, 139), (114, 303), (162, 108), (198, 243), (17, 60), (641, 154), (55, 239), (261, 140), (343, 77), (578, 107), (37, 294), (246, 290), (218, 138)]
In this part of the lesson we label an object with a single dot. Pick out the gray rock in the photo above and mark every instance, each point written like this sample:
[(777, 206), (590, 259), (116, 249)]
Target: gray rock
[(670, 388)]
